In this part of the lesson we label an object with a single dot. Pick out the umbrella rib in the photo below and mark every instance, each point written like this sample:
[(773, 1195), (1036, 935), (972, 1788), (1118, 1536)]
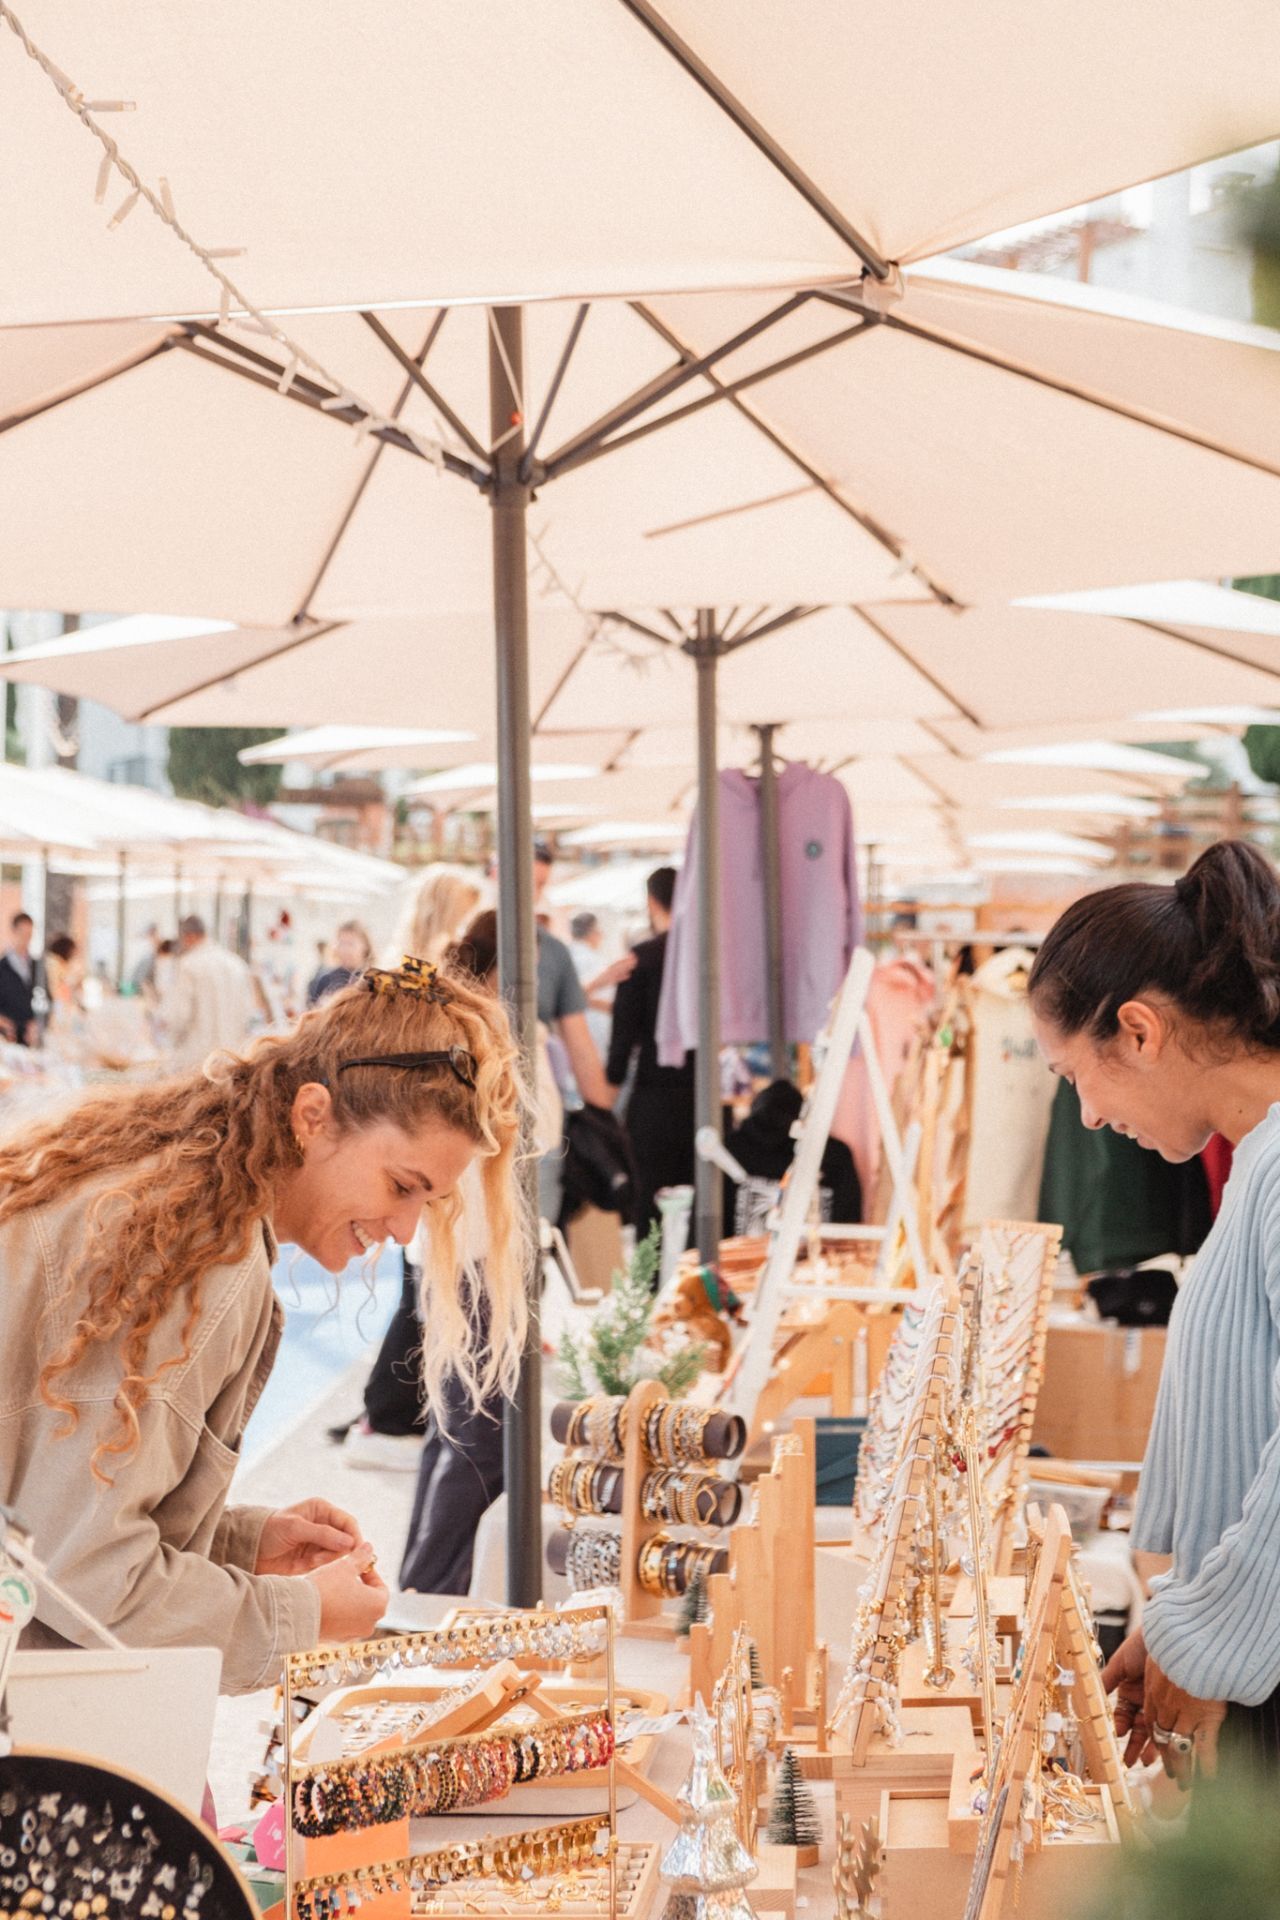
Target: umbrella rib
[(303, 611), (662, 386), (148, 714), (139, 359), (560, 685), (927, 726), (987, 357), (612, 765), (638, 626), (1207, 646), (407, 364), (349, 416), (779, 620), (904, 654), (557, 379), (752, 616), (879, 534), (760, 138), (727, 390)]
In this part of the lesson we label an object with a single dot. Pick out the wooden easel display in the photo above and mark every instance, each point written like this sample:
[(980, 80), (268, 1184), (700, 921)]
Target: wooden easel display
[(896, 1597), (1013, 1784), (410, 1744), (1008, 1288), (776, 1612), (1078, 1651), (628, 1475)]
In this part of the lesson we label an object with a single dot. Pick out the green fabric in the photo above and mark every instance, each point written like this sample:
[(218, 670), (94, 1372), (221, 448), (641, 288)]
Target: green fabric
[(1117, 1203)]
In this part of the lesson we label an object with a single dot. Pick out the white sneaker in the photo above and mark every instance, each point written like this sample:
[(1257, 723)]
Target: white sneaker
[(397, 1452)]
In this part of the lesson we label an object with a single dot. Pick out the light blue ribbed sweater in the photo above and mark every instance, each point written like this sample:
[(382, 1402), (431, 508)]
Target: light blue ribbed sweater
[(1210, 1489)]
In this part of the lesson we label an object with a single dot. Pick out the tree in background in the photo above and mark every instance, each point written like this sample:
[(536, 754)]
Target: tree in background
[(203, 765)]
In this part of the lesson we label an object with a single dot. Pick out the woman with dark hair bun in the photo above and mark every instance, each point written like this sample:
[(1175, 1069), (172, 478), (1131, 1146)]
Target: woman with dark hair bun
[(1162, 1007)]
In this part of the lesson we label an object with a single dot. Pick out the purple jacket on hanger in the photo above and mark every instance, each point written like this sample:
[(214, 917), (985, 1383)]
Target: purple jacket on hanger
[(821, 913)]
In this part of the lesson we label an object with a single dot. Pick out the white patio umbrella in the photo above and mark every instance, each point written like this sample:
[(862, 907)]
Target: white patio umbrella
[(790, 188), (380, 749), (626, 147)]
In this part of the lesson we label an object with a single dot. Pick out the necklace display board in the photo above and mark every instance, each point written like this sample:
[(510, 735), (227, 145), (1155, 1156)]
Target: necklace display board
[(347, 1817), (1010, 1281), (896, 1593)]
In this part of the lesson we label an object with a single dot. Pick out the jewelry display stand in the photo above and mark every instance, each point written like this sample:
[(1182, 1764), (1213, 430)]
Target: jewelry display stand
[(893, 1610), (1007, 1836), (1011, 1279), (777, 1613), (818, 1356), (462, 1753), (636, 1482), (774, 1888)]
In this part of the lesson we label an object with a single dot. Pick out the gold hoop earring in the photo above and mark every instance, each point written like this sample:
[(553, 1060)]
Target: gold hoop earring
[(300, 1150)]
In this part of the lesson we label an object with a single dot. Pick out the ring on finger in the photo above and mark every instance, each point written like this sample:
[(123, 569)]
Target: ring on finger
[(1183, 1743), (1161, 1736)]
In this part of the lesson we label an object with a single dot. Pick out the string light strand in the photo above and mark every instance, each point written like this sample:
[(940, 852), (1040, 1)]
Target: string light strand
[(209, 258)]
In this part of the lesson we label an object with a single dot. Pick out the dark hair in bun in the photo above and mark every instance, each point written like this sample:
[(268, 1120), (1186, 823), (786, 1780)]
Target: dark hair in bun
[(1210, 944)]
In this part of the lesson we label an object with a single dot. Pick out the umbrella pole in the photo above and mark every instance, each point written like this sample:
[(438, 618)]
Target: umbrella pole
[(708, 1188), (771, 852), (122, 877), (517, 944)]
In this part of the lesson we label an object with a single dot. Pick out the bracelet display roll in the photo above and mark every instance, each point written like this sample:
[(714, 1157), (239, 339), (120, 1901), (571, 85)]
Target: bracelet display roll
[(340, 1796), (666, 1566)]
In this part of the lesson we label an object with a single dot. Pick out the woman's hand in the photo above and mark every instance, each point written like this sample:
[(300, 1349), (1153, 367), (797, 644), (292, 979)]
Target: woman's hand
[(352, 1596), (1125, 1676), (299, 1539), (1183, 1718), (1149, 1707)]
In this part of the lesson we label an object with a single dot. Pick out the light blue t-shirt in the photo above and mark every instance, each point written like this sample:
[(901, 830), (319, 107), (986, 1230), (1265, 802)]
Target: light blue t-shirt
[(1210, 1490)]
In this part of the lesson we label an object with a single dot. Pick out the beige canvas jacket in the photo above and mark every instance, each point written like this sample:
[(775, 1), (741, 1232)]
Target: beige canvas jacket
[(158, 1557)]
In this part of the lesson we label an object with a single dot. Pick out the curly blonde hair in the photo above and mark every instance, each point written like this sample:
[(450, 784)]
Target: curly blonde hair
[(193, 1166)]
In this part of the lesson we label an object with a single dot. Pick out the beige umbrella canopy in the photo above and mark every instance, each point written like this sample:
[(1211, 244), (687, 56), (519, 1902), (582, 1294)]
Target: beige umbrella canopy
[(625, 149), (942, 443), (625, 146)]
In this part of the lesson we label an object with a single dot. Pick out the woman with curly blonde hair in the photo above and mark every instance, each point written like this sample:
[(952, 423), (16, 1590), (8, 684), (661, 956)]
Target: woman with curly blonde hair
[(139, 1323)]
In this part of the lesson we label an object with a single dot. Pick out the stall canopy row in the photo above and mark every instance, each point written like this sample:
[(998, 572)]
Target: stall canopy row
[(772, 420)]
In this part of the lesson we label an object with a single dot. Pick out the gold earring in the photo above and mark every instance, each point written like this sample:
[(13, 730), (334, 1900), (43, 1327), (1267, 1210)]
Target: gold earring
[(300, 1150)]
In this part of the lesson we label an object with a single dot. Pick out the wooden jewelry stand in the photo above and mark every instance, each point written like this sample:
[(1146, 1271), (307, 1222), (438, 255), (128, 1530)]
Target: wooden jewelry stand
[(935, 1373), (774, 1888), (1049, 1875), (1028, 1253), (377, 1865), (645, 1614), (865, 1762), (819, 1356), (777, 1613)]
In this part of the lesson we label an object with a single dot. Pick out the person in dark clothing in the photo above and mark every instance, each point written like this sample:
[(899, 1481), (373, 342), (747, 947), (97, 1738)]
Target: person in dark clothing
[(660, 1113), (763, 1145), (19, 982), (460, 1474), (352, 952)]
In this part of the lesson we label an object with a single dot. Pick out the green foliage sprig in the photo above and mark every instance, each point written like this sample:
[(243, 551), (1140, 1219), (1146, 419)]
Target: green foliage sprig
[(611, 1355)]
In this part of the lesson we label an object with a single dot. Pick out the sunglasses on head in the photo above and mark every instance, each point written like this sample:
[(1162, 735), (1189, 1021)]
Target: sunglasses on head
[(461, 1063)]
